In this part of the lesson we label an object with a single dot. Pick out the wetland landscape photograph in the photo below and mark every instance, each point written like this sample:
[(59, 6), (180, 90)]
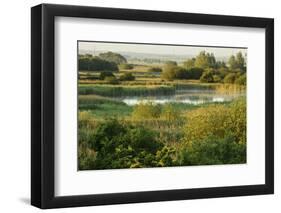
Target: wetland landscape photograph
[(160, 105)]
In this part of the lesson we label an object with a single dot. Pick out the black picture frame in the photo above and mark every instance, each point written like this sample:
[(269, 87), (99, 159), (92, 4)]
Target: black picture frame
[(43, 102)]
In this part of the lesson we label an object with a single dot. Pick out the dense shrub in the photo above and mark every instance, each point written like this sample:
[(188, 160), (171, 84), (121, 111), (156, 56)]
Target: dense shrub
[(146, 110), (91, 63), (241, 80), (217, 120), (213, 150), (103, 75), (229, 78), (217, 78), (195, 73), (207, 77), (172, 72), (111, 80), (117, 145)]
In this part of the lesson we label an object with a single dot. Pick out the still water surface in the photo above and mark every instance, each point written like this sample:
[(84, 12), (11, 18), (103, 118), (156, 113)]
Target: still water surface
[(185, 96)]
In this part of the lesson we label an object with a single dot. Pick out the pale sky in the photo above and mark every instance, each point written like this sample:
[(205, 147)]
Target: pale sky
[(157, 49)]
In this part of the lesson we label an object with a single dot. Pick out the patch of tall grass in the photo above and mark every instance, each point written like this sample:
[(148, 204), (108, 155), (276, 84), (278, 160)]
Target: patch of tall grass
[(123, 91)]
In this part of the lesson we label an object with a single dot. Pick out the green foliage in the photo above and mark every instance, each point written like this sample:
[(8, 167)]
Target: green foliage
[(166, 157), (103, 75), (172, 72), (217, 78), (126, 66), (241, 80), (113, 134), (113, 57), (229, 78), (213, 134), (146, 110), (205, 60), (213, 150), (170, 113), (189, 64), (127, 77), (90, 63), (207, 77), (122, 91), (237, 62), (111, 80), (169, 72), (117, 145), (194, 73), (217, 120)]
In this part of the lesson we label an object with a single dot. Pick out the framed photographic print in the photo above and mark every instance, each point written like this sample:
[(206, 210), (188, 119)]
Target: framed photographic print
[(140, 106)]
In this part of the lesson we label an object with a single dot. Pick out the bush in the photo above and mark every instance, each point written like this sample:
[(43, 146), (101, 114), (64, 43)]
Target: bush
[(105, 74), (207, 77), (146, 110), (229, 78), (241, 80), (215, 135), (169, 72), (126, 66), (217, 78), (172, 72), (217, 120), (127, 77), (195, 73), (111, 80), (117, 145), (213, 150), (170, 113)]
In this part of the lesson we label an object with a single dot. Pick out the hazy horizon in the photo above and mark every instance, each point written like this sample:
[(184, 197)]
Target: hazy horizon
[(157, 49)]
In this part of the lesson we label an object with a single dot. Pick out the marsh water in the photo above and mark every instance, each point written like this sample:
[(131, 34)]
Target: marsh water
[(190, 96)]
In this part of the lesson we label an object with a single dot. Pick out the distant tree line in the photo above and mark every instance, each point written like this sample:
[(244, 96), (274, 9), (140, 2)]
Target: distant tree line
[(206, 68), (108, 61)]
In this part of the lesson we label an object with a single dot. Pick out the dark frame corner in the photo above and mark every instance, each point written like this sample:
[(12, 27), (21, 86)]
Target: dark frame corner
[(42, 105)]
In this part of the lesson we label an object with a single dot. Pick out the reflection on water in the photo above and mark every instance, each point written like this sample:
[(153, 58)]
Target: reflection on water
[(188, 97)]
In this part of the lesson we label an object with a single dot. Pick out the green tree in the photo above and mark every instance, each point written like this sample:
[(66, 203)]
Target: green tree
[(205, 60), (189, 64), (195, 73), (229, 78), (207, 77), (237, 62), (113, 57), (90, 63), (240, 60)]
